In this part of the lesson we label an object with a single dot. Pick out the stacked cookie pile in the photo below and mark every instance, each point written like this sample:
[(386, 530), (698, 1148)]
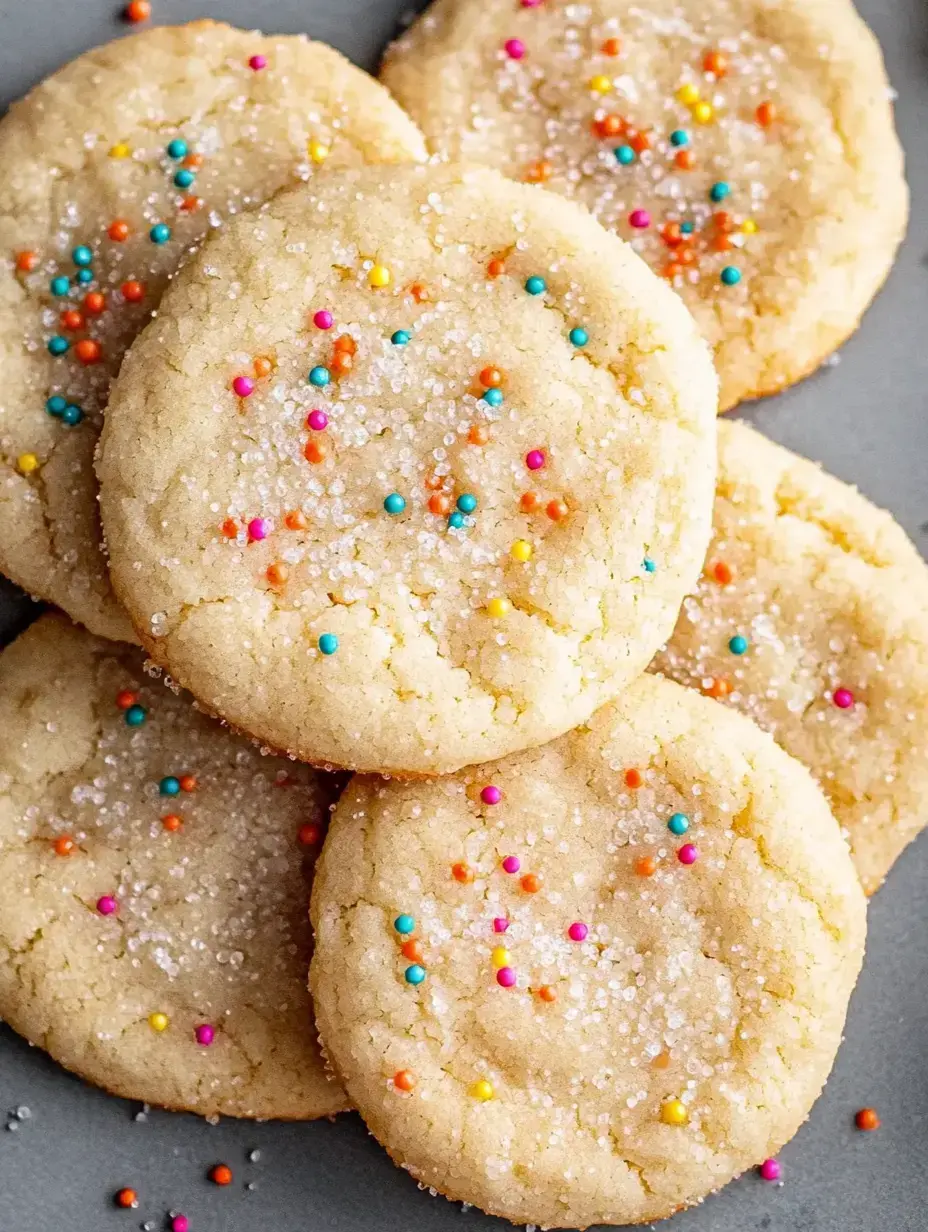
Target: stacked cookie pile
[(410, 468)]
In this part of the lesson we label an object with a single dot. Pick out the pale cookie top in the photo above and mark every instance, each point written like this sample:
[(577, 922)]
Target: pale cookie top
[(745, 147), (113, 168), (811, 617), (412, 470), (593, 982), (155, 881)]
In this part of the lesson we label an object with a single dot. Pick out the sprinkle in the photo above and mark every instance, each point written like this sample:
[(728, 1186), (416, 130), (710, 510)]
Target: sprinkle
[(600, 84), (84, 276), (482, 1090), (717, 687), (633, 779), (467, 502), (679, 137), (94, 303), (491, 795), (323, 319), (172, 822), (578, 931), (380, 276), (414, 975), (529, 502), (320, 377), (479, 434), (220, 1174), (578, 336), (55, 405), (766, 114), (60, 286), (770, 1170), (496, 267), (535, 285), (539, 172), (107, 904), (716, 63), (500, 957), (493, 397), (500, 924), (645, 866), (462, 872), (188, 782), (404, 1080), (184, 178), (127, 1198), (678, 824), (296, 520), (404, 924), (535, 459), (120, 150), (506, 977), (511, 864), (749, 226), (160, 233), (649, 565), (277, 573), (738, 645), (58, 345), (640, 219), (137, 11), (439, 503), (259, 528), (531, 883), (611, 47), (456, 520), (624, 154), (703, 112), (556, 510), (26, 261), (328, 644), (176, 148), (158, 1021), (169, 785), (867, 1119), (317, 419), (521, 550), (498, 608), (400, 337), (243, 386), (180, 1223), (547, 993), (514, 48), (719, 191), (26, 463), (730, 276), (309, 834), (688, 854), (88, 351), (318, 151), (722, 573), (688, 94), (63, 845), (843, 698), (133, 291), (257, 63), (673, 1112), (394, 503), (135, 716), (412, 950), (204, 1034), (230, 528)]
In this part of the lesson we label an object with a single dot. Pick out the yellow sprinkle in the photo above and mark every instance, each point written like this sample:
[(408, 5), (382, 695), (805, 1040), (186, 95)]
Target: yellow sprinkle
[(500, 957), (380, 276), (688, 94), (482, 1090), (673, 1112), (703, 112), (318, 152), (749, 226), (120, 150), (601, 84), (27, 463), (158, 1021), (498, 607), (521, 550)]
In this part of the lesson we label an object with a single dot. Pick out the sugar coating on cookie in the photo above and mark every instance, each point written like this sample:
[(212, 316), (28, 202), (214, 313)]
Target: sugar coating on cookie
[(745, 148), (155, 876), (593, 982), (411, 470), (113, 168), (811, 617)]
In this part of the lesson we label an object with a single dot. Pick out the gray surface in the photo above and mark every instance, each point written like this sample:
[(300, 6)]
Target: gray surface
[(865, 419)]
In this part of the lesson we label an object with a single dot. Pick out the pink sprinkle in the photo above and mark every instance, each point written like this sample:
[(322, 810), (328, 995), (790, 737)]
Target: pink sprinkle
[(535, 459), (770, 1170), (491, 795), (180, 1223), (578, 931), (843, 699), (317, 420), (688, 854), (107, 905), (205, 1034), (257, 63), (244, 386), (258, 528), (506, 977), (640, 219), (323, 319), (500, 924), (512, 864), (531, 4), (514, 48)]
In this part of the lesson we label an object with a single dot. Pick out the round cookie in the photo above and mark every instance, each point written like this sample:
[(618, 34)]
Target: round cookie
[(811, 617), (593, 982), (154, 883), (459, 508), (114, 167), (745, 147)]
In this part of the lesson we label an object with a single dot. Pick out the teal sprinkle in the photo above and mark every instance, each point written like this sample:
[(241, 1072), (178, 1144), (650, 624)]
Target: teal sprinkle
[(160, 233), (535, 285), (72, 415), (678, 824), (177, 148), (328, 644), (719, 191), (404, 924), (58, 345), (455, 520), (649, 565), (738, 644), (679, 137), (55, 405), (320, 377), (170, 785), (493, 397), (687, 228), (400, 338), (730, 275), (136, 716), (394, 503), (466, 502), (578, 336), (414, 974), (60, 285), (81, 255), (184, 178), (84, 276), (624, 154)]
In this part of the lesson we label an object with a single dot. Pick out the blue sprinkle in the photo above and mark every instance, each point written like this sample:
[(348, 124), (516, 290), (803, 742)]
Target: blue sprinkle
[(578, 336), (394, 503), (404, 924), (738, 645), (493, 397), (177, 148), (624, 154), (414, 974), (81, 255), (60, 285), (160, 233), (319, 377), (400, 338), (679, 136), (56, 404), (58, 345), (328, 644), (455, 520), (730, 275), (72, 415), (678, 824), (535, 285), (184, 178), (466, 502), (719, 191)]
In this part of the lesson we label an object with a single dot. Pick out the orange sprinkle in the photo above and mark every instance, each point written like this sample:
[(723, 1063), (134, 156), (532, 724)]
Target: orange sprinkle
[(662, 1060), (434, 482), (867, 1119), (221, 1174), (715, 62), (342, 363), (72, 319), (404, 1080), (633, 778), (557, 510), (685, 255), (314, 451), (671, 234), (277, 573), (172, 822), (63, 845), (639, 142), (88, 351), (479, 434), (127, 1198), (345, 343), (723, 220), (530, 883), (611, 47), (439, 503), (118, 230), (296, 520), (529, 502), (722, 573), (462, 872), (193, 162), (538, 173), (721, 243), (547, 993), (719, 687), (136, 11), (188, 782), (645, 866), (132, 291), (685, 160), (191, 203), (496, 267), (491, 376), (673, 269), (126, 698), (609, 126), (94, 302), (412, 950), (262, 366), (766, 114), (309, 834), (26, 261), (230, 528), (420, 292)]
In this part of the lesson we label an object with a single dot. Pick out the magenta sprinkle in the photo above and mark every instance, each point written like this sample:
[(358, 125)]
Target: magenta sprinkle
[(531, 4), (323, 319), (180, 1223), (578, 931), (512, 864), (258, 528), (107, 905), (514, 48), (640, 219), (204, 1034), (506, 977), (500, 924), (688, 854), (317, 420), (491, 794), (244, 386), (535, 459), (770, 1170), (843, 699), (257, 63)]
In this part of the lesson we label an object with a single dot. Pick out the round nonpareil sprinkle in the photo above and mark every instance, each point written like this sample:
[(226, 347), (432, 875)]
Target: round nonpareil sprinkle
[(328, 644), (204, 1034), (535, 285), (414, 974), (404, 924), (770, 1170), (491, 794), (688, 854), (511, 864)]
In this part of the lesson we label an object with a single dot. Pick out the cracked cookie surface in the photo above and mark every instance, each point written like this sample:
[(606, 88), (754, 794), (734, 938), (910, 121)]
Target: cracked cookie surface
[(115, 167), (595, 981), (811, 617), (154, 882), (745, 147), (413, 469)]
